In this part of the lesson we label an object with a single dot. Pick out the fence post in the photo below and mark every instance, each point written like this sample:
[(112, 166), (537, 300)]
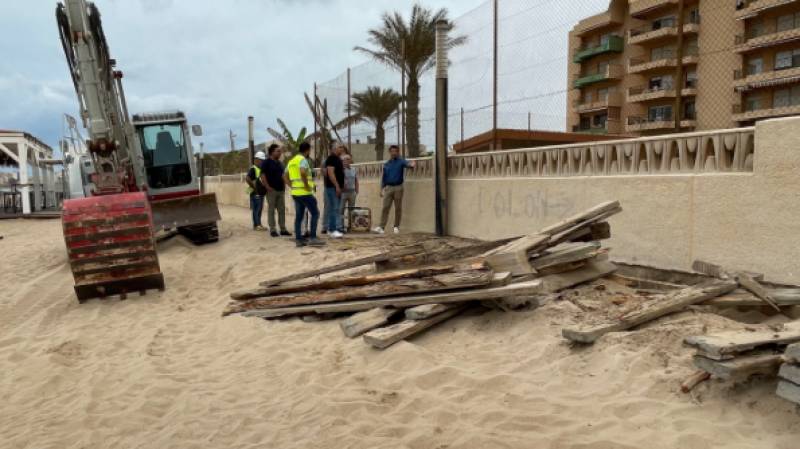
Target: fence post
[(462, 129), (349, 105), (496, 24), (251, 139), (442, 28), (316, 130)]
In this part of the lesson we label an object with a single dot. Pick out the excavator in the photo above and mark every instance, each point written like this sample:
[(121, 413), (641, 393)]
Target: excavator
[(143, 179)]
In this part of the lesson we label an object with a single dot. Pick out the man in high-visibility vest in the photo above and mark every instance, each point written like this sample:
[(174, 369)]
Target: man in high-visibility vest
[(299, 177), (256, 190)]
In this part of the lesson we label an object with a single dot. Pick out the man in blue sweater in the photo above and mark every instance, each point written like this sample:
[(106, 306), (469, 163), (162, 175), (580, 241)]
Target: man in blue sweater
[(392, 188)]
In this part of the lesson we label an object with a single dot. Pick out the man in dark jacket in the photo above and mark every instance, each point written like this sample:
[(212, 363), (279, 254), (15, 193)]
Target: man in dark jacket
[(256, 190), (272, 178)]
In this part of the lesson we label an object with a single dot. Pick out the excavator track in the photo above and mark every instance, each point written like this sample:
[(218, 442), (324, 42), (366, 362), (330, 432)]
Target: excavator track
[(111, 245)]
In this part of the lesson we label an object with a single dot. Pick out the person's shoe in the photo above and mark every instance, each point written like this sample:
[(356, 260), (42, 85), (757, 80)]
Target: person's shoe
[(286, 233), (316, 242), (300, 243), (274, 234), (378, 230), (258, 228), (306, 235), (336, 235), (324, 231), (396, 230)]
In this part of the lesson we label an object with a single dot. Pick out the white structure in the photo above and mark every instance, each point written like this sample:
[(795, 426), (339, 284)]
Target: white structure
[(36, 178)]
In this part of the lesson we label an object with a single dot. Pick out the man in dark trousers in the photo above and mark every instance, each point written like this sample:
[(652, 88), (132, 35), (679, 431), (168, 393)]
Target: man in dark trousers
[(256, 190), (300, 179), (334, 184), (272, 178), (392, 188)]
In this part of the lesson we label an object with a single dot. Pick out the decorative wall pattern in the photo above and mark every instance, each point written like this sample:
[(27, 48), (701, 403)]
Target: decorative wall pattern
[(721, 151)]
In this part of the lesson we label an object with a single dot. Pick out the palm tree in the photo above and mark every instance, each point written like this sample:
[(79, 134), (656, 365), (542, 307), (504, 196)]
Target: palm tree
[(377, 106), (410, 47), (287, 138)]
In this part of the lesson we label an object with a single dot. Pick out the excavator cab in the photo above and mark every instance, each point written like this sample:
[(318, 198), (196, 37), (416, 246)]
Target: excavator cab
[(169, 176)]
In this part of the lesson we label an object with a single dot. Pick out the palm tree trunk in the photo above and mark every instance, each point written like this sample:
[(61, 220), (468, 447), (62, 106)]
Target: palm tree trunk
[(412, 116), (380, 141)]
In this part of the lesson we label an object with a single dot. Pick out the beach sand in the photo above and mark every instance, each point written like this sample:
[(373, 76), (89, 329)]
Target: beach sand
[(167, 371)]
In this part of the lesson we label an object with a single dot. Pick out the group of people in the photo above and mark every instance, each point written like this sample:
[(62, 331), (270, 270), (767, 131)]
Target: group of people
[(268, 179)]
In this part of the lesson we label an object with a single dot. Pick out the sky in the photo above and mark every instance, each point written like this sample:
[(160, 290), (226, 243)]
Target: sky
[(218, 61)]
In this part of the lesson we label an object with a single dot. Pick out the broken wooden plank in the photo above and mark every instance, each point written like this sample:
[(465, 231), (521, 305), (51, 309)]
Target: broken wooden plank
[(363, 322), (477, 294), (571, 233), (789, 391), (441, 255), (717, 271), (694, 380), (515, 263), (645, 284), (355, 263), (593, 270), (741, 298), (426, 311), (724, 344), (670, 303), (521, 245), (384, 337), (790, 372), (594, 232), (792, 353), (349, 281), (437, 283), (566, 253), (750, 284), (740, 367), (582, 217)]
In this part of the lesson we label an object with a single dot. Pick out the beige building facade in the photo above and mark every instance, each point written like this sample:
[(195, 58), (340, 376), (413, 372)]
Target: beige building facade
[(648, 67)]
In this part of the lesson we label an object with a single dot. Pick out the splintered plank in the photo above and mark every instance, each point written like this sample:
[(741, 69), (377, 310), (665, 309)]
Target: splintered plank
[(515, 263), (448, 281), (671, 303), (591, 271), (362, 322), (790, 372), (783, 297), (428, 310), (384, 337), (793, 353), (724, 344), (348, 281), (477, 294), (600, 210), (789, 391), (440, 255), (750, 284), (740, 367), (566, 253), (591, 233), (355, 263)]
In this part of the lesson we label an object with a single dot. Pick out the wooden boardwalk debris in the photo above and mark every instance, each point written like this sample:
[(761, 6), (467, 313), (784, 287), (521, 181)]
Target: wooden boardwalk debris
[(748, 281), (566, 253), (740, 367), (694, 380), (790, 372), (521, 289), (441, 255), (362, 322), (786, 297), (428, 310), (793, 353), (355, 263), (591, 271), (671, 303), (384, 337), (750, 284), (789, 391), (724, 344)]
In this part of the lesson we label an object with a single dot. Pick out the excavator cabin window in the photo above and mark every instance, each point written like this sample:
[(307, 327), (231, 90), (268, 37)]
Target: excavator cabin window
[(165, 157)]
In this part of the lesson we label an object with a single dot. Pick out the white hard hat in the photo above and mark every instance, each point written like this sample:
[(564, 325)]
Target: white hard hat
[(261, 155)]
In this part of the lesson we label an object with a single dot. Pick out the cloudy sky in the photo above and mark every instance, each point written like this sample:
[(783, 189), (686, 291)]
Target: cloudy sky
[(219, 61)]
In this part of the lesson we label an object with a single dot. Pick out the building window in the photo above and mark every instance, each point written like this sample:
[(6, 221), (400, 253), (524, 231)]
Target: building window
[(602, 67), (755, 66), (587, 98), (753, 103), (585, 122), (658, 83), (602, 94), (691, 79), (659, 113), (787, 59), (756, 29), (689, 111), (599, 120), (694, 16), (665, 22), (782, 98), (788, 22), (660, 53)]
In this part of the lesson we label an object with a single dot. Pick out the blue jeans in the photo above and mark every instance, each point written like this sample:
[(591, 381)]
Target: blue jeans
[(301, 204), (256, 206), (333, 218)]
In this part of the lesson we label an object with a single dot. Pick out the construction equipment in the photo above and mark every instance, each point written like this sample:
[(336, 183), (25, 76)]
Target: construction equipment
[(143, 177)]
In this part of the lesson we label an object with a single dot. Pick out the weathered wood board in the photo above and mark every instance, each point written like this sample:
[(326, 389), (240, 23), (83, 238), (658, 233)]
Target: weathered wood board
[(789, 391), (592, 271), (790, 372), (723, 344), (566, 253), (742, 298), (362, 322), (671, 303), (384, 337), (793, 353), (428, 310), (740, 367)]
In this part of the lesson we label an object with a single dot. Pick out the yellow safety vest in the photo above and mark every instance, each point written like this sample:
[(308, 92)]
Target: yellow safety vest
[(258, 177), (298, 187)]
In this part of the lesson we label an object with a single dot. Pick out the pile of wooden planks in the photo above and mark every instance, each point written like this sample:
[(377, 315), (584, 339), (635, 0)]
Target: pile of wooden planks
[(789, 383), (412, 289)]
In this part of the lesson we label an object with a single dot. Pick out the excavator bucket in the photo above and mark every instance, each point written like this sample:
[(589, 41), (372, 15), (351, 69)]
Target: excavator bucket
[(185, 211), (111, 246)]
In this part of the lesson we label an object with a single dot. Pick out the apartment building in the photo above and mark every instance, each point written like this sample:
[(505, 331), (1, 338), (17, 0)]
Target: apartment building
[(648, 67)]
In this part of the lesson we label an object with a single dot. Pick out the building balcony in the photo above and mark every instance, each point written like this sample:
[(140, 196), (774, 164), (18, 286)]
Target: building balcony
[(743, 114), (752, 8), (639, 65), (613, 100), (744, 43), (648, 35), (612, 72), (610, 127), (642, 94), (615, 44), (589, 24), (643, 8), (642, 124), (744, 82)]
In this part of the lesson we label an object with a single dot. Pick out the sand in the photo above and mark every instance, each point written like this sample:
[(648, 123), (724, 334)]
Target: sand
[(166, 371)]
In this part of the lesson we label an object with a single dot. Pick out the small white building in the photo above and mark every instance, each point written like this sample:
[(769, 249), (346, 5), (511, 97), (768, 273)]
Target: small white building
[(32, 163)]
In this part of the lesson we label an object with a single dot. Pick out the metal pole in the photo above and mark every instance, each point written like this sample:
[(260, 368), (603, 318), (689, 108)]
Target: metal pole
[(462, 129), (202, 169), (403, 102), (494, 74), (251, 139), (399, 126), (442, 28), (679, 70), (349, 105), (316, 132), (529, 122)]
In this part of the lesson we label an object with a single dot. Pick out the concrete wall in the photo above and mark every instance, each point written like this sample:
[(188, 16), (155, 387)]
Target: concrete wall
[(737, 204)]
